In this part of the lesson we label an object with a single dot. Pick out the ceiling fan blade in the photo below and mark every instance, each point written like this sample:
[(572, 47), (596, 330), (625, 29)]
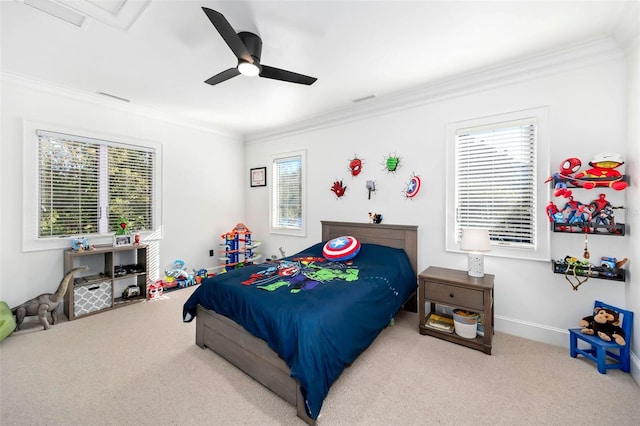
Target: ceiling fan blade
[(284, 75), (223, 76), (228, 34)]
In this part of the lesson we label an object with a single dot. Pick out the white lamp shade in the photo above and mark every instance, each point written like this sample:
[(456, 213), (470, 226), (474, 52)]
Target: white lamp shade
[(475, 239)]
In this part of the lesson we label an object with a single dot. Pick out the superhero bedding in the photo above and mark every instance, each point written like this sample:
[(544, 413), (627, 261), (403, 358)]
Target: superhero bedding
[(317, 315)]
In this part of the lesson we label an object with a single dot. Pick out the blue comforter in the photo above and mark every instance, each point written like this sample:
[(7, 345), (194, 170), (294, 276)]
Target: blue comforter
[(318, 316)]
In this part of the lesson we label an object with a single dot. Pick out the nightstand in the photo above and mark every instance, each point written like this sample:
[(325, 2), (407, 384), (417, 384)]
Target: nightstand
[(455, 288)]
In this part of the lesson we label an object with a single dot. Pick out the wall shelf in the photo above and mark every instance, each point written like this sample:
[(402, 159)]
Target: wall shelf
[(590, 228), (600, 272), (600, 182)]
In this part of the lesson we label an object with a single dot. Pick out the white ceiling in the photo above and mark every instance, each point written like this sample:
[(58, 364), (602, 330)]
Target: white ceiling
[(158, 53)]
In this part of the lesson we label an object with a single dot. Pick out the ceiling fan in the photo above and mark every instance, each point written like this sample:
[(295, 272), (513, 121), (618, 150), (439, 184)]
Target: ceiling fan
[(247, 47)]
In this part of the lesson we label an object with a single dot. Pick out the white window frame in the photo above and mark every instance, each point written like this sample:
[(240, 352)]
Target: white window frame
[(541, 249), (31, 196), (273, 228)]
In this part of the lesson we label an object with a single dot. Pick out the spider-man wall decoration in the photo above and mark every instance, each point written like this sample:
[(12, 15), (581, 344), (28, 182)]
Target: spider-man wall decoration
[(355, 166)]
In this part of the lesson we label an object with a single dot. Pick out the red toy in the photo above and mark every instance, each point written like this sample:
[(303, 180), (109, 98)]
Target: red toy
[(567, 168), (552, 209), (603, 169), (600, 204)]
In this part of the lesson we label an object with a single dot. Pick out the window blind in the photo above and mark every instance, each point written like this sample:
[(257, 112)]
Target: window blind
[(287, 193), (87, 185), (495, 182)]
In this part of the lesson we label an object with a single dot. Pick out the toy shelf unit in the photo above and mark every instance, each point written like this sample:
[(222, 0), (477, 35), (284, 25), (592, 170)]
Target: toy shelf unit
[(591, 271), (117, 276), (238, 248)]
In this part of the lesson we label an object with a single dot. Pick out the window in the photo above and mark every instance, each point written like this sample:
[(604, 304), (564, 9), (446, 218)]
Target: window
[(85, 186), (495, 184), (287, 196)]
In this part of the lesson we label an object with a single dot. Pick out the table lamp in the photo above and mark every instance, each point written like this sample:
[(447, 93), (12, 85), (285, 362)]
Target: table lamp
[(475, 241)]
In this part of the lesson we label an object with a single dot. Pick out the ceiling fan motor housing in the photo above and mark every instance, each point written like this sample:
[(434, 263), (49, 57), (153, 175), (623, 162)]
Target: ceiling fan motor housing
[(253, 44)]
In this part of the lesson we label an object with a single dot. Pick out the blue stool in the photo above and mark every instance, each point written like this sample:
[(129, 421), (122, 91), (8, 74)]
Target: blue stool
[(600, 349)]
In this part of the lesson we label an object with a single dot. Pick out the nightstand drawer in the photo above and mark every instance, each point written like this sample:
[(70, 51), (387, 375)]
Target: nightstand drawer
[(454, 296)]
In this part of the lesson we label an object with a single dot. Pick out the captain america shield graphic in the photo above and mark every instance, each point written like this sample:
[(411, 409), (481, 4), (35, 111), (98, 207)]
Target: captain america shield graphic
[(341, 248), (413, 187)]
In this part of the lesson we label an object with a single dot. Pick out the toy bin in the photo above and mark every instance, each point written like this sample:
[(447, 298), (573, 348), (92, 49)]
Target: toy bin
[(91, 297), (465, 323)]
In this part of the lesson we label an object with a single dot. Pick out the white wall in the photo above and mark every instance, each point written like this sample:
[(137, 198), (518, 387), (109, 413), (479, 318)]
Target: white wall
[(202, 188), (633, 195), (586, 99)]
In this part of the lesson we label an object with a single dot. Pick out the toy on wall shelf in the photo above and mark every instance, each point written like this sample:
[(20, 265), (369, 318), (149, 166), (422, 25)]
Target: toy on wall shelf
[(579, 271), (575, 216), (567, 168), (603, 172)]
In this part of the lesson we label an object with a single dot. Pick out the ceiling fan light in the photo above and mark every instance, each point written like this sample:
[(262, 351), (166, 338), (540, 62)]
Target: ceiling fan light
[(248, 69)]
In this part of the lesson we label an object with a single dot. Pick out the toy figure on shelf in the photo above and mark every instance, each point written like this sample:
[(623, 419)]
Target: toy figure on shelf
[(603, 172), (567, 168), (552, 209), (571, 209), (80, 244), (123, 227), (600, 203), (603, 214), (577, 268)]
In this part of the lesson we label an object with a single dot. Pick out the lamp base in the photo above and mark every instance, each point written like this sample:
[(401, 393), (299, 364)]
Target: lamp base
[(475, 266)]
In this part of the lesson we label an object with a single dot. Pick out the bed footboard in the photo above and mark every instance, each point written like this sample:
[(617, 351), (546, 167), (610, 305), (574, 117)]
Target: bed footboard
[(251, 355)]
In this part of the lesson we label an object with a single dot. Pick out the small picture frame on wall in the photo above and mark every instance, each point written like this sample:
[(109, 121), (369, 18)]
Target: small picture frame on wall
[(258, 176), (122, 240)]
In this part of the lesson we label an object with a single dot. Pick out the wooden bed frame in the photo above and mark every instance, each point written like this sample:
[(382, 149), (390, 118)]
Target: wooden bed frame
[(253, 356)]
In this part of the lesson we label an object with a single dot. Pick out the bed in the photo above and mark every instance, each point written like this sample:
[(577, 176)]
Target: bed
[(269, 329)]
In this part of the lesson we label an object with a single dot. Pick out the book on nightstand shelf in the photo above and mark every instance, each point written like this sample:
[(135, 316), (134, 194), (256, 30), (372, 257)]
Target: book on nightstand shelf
[(440, 322)]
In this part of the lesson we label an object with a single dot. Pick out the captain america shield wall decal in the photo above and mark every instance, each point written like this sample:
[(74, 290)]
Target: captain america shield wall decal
[(341, 248), (413, 187)]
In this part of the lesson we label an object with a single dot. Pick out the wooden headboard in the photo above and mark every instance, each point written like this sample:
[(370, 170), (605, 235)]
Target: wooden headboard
[(396, 236)]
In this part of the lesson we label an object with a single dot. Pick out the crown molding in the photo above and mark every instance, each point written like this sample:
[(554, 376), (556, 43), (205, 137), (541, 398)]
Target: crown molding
[(30, 83), (509, 73)]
